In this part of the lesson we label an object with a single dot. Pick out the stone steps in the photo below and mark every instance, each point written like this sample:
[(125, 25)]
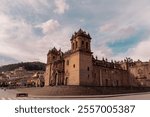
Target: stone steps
[(80, 90)]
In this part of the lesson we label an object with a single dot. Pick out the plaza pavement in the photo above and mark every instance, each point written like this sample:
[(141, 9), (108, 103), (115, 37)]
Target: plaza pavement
[(38, 94)]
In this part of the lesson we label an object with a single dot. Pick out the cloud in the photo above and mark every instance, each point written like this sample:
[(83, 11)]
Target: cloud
[(102, 51), (20, 37), (19, 40), (61, 6), (16, 37), (112, 32), (59, 38), (35, 3), (140, 51), (30, 27), (6, 5), (7, 60), (123, 26), (107, 27), (49, 26), (22, 44)]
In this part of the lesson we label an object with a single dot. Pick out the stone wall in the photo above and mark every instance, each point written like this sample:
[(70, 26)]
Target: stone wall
[(141, 72), (72, 69)]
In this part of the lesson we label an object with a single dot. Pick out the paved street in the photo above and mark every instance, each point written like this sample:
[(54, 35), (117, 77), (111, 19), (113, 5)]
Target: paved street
[(10, 94), (140, 96), (7, 94)]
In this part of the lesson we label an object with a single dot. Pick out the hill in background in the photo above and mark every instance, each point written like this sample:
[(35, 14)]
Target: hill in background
[(29, 66)]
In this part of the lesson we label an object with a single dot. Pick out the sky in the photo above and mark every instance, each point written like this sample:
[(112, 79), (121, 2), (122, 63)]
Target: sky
[(29, 28)]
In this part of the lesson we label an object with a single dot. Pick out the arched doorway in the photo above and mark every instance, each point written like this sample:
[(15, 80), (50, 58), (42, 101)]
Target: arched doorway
[(66, 80), (56, 79), (117, 83), (106, 82)]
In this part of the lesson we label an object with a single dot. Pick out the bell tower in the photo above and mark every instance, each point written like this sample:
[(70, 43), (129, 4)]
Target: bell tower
[(80, 68), (81, 41), (54, 68), (51, 57)]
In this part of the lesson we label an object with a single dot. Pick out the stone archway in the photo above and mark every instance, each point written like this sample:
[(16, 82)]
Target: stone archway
[(66, 81), (56, 82), (106, 82)]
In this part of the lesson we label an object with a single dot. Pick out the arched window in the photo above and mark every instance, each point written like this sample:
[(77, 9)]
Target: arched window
[(73, 46), (87, 45), (67, 62), (88, 68), (106, 80), (76, 44), (82, 43), (66, 80)]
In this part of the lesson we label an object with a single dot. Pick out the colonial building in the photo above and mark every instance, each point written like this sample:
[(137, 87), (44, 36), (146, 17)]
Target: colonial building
[(78, 66), (141, 72), (21, 77)]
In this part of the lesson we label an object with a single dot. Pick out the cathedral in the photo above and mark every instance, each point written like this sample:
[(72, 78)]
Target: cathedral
[(79, 67)]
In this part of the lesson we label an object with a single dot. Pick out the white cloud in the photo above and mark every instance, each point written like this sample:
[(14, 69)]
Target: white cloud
[(140, 51), (16, 38), (108, 27), (82, 20), (60, 38), (35, 5), (49, 26), (61, 6), (110, 33), (102, 51), (132, 14), (131, 19), (117, 21)]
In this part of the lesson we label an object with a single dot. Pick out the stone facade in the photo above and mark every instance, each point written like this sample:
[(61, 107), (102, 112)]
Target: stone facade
[(141, 72), (78, 67)]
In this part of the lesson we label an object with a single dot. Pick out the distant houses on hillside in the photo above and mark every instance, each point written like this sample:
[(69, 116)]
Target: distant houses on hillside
[(20, 77)]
